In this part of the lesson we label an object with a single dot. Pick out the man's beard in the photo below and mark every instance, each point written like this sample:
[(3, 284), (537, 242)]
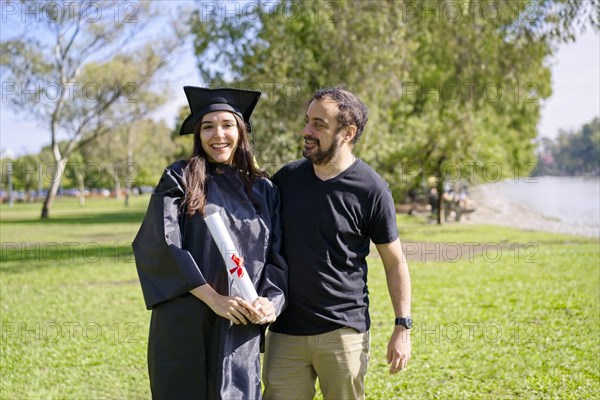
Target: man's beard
[(322, 157)]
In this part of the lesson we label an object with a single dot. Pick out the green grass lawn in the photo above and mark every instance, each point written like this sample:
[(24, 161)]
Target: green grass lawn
[(520, 320)]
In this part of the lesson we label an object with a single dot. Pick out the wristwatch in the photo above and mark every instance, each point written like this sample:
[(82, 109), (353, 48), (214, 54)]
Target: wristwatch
[(405, 322)]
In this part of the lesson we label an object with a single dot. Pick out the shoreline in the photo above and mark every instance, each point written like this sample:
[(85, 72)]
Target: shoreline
[(492, 207)]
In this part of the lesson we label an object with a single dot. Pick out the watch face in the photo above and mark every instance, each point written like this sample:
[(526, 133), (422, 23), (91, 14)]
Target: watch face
[(408, 323)]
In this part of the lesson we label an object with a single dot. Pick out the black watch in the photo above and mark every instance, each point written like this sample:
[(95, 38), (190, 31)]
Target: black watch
[(405, 322)]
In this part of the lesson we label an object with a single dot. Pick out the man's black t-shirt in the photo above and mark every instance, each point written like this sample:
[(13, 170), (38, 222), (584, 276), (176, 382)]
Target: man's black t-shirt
[(327, 228)]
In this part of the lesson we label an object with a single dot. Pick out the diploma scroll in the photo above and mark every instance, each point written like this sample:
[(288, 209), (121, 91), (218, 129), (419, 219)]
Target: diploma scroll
[(233, 262)]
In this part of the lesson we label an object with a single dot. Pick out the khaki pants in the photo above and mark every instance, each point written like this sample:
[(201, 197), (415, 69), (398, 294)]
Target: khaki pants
[(338, 358)]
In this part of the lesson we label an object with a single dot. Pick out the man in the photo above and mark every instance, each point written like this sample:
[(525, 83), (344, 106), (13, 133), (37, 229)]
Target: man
[(333, 205)]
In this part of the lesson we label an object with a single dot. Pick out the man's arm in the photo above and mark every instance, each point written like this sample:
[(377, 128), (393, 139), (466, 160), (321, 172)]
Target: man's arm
[(398, 282)]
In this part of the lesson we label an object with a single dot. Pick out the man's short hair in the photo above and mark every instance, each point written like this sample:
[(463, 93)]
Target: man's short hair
[(351, 110)]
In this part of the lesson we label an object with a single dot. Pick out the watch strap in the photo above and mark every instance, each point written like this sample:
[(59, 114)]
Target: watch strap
[(405, 322)]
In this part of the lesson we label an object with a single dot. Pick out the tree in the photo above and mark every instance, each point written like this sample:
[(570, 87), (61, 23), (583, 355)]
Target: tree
[(25, 171), (183, 144), (572, 153), (472, 112), (82, 69), (453, 88), (135, 153), (291, 49)]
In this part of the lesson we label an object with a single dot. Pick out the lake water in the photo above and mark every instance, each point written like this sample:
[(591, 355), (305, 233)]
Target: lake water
[(574, 200)]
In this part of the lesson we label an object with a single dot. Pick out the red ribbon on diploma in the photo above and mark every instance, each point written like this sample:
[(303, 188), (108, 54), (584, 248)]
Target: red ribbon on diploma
[(239, 262)]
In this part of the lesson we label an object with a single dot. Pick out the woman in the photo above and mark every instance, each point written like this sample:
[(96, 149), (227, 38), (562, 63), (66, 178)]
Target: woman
[(204, 338)]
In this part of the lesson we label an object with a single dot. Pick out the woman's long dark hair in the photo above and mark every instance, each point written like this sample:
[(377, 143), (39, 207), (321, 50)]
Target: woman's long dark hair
[(197, 169)]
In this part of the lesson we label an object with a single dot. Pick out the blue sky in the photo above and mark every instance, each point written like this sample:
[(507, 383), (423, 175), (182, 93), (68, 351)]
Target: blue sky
[(575, 99)]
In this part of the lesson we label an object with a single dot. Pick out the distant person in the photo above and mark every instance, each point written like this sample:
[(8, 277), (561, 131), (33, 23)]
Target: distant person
[(465, 204), (204, 338), (333, 205), (433, 199), (463, 198)]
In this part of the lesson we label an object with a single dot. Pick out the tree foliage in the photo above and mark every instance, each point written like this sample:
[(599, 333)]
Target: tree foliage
[(299, 48), (453, 88), (83, 74), (134, 154), (572, 153)]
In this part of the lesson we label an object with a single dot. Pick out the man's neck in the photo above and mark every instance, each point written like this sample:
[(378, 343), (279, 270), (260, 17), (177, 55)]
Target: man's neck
[(336, 166)]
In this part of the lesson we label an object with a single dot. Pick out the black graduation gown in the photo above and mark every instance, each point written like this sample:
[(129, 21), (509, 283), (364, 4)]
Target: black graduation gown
[(192, 352)]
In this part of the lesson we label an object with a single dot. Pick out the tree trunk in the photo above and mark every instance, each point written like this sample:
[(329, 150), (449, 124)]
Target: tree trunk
[(441, 217), (9, 169), (81, 190), (128, 179), (58, 173), (117, 188), (40, 192)]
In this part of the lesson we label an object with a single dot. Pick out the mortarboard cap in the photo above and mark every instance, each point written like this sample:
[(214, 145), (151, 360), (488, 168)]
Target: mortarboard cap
[(203, 101)]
